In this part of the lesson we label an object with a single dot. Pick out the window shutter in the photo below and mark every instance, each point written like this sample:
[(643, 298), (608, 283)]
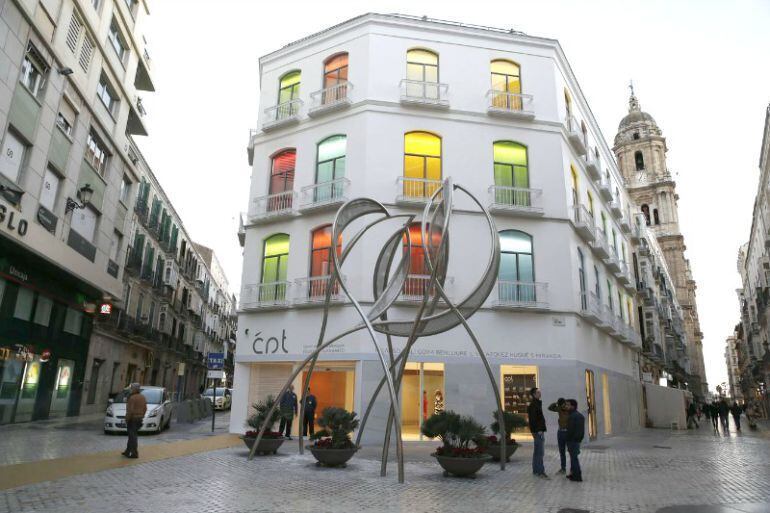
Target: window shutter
[(73, 33), (86, 52)]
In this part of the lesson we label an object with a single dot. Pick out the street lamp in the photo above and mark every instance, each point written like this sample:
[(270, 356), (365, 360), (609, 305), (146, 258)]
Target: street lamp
[(84, 195)]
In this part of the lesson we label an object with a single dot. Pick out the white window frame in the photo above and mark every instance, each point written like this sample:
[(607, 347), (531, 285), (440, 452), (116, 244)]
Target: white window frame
[(96, 153), (51, 182), (118, 42), (33, 62), (125, 190), (85, 222), (107, 95), (12, 158)]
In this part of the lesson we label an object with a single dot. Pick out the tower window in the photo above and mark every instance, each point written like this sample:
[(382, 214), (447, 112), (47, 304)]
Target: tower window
[(646, 212), (636, 135), (639, 159), (655, 216)]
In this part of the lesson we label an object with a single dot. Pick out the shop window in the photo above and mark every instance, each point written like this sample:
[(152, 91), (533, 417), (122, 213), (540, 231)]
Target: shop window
[(25, 299), (73, 322), (422, 396), (516, 382), (506, 85), (422, 164), (511, 174), (43, 310)]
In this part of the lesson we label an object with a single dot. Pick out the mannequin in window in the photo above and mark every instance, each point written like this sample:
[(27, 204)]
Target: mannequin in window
[(646, 212), (438, 402)]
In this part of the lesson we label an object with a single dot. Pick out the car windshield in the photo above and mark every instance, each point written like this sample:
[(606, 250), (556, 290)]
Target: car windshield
[(210, 392), (152, 395)]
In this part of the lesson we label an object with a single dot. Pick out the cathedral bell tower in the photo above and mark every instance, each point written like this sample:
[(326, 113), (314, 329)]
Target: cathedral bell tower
[(640, 151)]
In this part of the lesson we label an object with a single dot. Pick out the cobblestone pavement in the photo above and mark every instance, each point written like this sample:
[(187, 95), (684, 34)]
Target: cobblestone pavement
[(641, 472), (45, 440)]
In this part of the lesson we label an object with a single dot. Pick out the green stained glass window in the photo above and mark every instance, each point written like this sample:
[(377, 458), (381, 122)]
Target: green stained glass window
[(274, 266), (511, 170), (517, 268)]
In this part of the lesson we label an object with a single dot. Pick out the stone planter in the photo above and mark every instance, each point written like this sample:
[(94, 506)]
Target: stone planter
[(331, 457), (266, 445), (494, 451), (461, 467)]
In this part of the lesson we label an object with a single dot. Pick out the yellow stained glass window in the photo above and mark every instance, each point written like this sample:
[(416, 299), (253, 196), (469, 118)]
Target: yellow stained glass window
[(506, 79), (422, 164)]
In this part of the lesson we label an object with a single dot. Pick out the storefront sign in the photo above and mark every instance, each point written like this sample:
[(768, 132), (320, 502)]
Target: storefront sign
[(105, 309), (180, 369), (47, 219), (13, 222), (16, 273), (45, 356), (269, 345), (19, 352)]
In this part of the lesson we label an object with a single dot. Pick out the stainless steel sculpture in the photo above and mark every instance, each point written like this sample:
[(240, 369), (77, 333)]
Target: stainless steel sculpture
[(436, 313)]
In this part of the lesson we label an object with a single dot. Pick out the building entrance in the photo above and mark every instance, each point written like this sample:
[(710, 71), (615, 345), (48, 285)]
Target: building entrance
[(422, 395), (331, 386)]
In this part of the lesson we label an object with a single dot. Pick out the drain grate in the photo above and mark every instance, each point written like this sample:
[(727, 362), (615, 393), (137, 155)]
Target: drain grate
[(571, 510), (661, 447)]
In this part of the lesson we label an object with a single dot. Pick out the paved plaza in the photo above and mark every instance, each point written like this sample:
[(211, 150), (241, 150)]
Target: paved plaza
[(649, 471)]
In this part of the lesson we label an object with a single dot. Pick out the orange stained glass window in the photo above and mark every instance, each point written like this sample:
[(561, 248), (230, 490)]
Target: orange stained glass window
[(336, 70), (320, 260), (281, 180)]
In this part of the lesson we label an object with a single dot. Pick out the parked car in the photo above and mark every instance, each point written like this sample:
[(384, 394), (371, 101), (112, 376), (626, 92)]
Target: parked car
[(157, 418), (224, 397)]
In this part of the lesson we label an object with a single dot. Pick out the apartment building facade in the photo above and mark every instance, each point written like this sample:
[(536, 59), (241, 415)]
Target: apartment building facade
[(733, 368), (73, 73), (385, 107)]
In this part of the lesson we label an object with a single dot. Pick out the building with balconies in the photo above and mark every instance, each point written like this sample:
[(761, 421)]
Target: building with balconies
[(499, 112), (70, 103)]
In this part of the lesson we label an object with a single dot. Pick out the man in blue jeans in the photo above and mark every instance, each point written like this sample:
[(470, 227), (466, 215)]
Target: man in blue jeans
[(560, 406), (576, 424), (537, 428)]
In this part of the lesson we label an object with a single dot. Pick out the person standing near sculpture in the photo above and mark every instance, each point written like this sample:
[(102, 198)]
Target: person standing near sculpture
[(288, 406), (576, 425), (537, 428), (560, 407), (310, 404)]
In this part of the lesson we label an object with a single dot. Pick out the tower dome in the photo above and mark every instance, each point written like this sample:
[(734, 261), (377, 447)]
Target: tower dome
[(636, 123)]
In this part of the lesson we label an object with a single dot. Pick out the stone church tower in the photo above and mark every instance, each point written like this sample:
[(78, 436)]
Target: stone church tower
[(640, 150)]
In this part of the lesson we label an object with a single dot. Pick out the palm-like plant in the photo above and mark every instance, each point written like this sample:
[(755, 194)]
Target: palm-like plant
[(512, 421), (260, 417), (337, 424), (456, 433)]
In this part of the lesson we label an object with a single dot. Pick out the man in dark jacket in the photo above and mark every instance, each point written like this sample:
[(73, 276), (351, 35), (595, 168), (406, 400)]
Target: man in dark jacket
[(537, 428), (724, 415), (136, 407), (560, 406), (576, 425), (736, 410), (309, 420), (288, 407)]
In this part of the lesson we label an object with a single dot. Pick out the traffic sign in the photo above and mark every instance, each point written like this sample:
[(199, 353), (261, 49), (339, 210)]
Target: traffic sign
[(216, 361)]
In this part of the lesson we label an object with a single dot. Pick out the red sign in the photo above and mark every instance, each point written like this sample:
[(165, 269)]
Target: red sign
[(45, 356), (105, 309)]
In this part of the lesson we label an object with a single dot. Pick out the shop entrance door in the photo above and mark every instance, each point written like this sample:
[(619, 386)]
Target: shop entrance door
[(422, 395), (25, 403), (60, 397), (517, 381), (591, 404), (331, 386)]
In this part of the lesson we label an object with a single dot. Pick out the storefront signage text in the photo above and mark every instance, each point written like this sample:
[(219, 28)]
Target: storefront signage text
[(269, 345), (16, 273), (12, 223), (22, 353)]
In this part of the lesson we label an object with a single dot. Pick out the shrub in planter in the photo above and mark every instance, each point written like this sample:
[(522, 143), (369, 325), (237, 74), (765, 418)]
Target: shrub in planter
[(462, 451), (332, 445), (271, 439), (512, 421)]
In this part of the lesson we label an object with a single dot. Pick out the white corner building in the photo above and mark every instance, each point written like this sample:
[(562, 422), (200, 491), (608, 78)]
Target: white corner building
[(385, 107)]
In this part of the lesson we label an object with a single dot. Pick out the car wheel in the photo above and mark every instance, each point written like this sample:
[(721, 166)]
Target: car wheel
[(107, 432), (160, 427)]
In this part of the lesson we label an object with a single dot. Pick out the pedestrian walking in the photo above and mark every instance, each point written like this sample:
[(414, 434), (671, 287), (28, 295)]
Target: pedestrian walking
[(714, 412), (560, 407), (698, 412), (310, 404), (136, 407), (576, 424), (691, 419), (736, 410), (537, 428), (724, 415), (288, 407)]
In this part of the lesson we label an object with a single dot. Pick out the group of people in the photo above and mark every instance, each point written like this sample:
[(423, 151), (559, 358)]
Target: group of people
[(719, 413), (289, 406), (569, 437)]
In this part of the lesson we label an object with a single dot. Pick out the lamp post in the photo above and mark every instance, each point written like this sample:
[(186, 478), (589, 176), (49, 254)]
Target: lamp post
[(84, 195)]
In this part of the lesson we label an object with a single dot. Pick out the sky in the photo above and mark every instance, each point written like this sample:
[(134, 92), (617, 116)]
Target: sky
[(691, 63)]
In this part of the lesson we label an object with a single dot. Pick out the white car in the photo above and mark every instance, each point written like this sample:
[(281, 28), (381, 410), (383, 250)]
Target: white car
[(224, 398), (157, 418)]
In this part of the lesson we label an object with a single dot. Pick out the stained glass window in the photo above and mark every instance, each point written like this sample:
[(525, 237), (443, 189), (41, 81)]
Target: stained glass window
[(275, 262), (288, 90), (517, 267), (506, 82), (422, 164), (335, 78), (510, 170), (282, 179), (422, 73)]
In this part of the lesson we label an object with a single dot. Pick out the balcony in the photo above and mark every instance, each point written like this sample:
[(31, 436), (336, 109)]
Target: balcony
[(599, 244), (273, 206), (591, 309), (426, 94), (625, 224), (510, 105), (311, 291), (638, 227), (250, 145), (415, 191), (330, 99), (612, 262), (241, 229), (575, 135), (281, 115), (515, 201), (583, 222), (324, 195), (615, 208), (415, 287), (266, 296), (593, 166), (520, 295), (624, 331), (605, 188)]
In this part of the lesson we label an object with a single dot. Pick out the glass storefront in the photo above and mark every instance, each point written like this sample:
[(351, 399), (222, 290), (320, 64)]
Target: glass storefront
[(517, 381), (422, 395)]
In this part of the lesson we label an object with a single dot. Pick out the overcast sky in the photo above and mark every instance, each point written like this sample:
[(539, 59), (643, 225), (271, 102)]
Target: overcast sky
[(691, 63)]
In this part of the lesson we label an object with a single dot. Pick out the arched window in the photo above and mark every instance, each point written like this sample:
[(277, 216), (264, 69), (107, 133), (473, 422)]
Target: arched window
[(597, 285), (320, 259), (422, 74), (567, 103), (646, 213), (288, 91), (422, 164), (590, 202), (609, 297), (639, 159), (330, 168), (281, 180), (516, 280), (575, 197), (419, 273), (335, 78), (275, 261), (582, 281), (655, 216), (506, 85), (511, 174), (584, 129)]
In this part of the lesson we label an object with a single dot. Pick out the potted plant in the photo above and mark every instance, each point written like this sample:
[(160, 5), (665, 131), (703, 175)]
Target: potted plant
[(332, 445), (462, 451), (512, 421), (271, 440)]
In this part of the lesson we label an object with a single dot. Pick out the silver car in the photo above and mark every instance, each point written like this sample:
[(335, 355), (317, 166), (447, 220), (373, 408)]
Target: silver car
[(223, 398), (157, 418)]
